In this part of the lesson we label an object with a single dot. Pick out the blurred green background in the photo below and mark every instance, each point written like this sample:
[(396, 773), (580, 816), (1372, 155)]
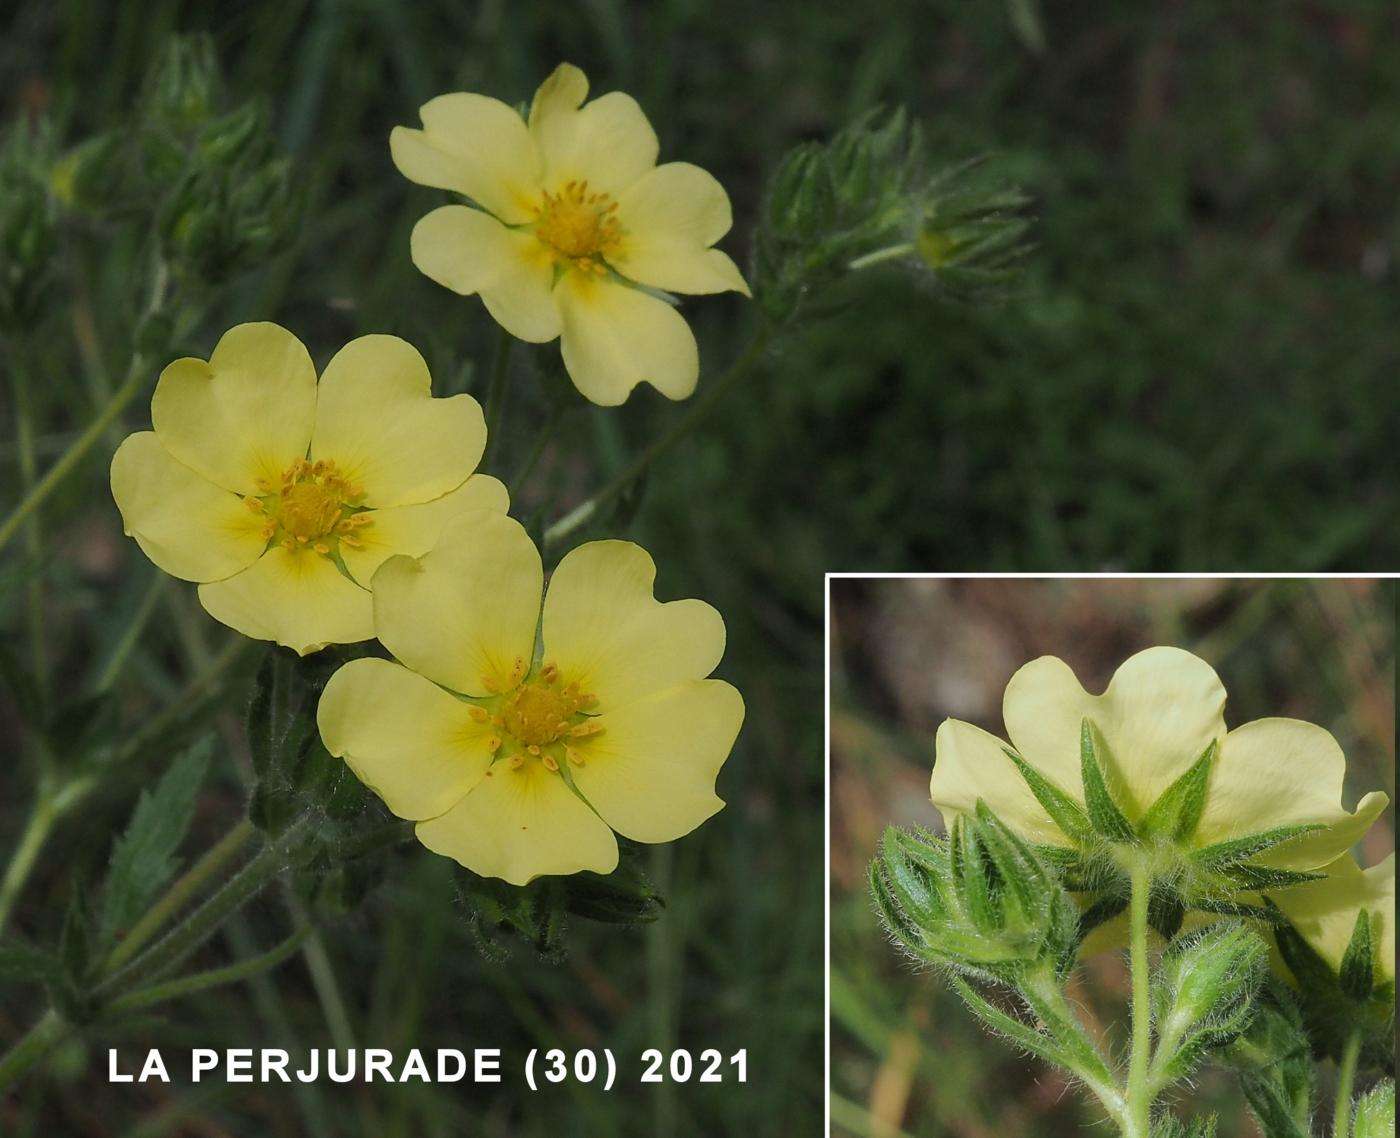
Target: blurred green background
[(1200, 374), (907, 1057)]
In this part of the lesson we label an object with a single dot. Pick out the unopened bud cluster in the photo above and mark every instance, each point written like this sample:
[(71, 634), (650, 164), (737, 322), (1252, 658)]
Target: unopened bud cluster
[(870, 196), (980, 902)]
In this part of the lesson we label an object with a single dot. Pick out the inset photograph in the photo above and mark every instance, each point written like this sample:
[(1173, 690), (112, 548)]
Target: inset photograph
[(1112, 855)]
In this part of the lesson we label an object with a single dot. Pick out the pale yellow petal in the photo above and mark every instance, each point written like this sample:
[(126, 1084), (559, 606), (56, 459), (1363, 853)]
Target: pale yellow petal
[(188, 526), (463, 613), (376, 418), (606, 631), (651, 773), (410, 742), (413, 530), (1324, 912), (522, 824), (243, 416), (300, 600), (615, 337), (669, 218), (970, 764), (476, 146), (608, 143), (470, 252), (1162, 708), (1284, 772)]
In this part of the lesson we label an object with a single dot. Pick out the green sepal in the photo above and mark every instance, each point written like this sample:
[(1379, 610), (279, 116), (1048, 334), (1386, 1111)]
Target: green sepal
[(1165, 912), (497, 910), (625, 896), (974, 878), (1270, 916), (1064, 811), (1357, 973), (1256, 877), (1375, 1112), (1104, 815), (1239, 849), (1178, 809)]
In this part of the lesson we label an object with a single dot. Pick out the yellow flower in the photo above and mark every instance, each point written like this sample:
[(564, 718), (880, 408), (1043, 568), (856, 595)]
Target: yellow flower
[(282, 496), (1324, 912), (520, 763), (576, 227), (1161, 713)]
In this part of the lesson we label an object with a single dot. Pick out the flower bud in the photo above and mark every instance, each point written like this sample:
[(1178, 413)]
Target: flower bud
[(980, 902)]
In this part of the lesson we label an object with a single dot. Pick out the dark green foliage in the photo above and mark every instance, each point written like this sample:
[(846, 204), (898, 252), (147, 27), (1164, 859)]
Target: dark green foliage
[(143, 858)]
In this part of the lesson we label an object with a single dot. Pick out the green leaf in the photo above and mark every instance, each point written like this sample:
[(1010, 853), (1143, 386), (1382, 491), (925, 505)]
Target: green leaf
[(143, 858), (1064, 811), (1104, 814), (1358, 971), (22, 963), (1238, 849), (1178, 809)]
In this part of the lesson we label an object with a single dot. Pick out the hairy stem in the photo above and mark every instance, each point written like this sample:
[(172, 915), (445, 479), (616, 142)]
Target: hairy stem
[(31, 1047), (180, 894), (581, 514), (200, 925), (1139, 1090), (188, 985), (1346, 1078), (1078, 1051), (36, 832)]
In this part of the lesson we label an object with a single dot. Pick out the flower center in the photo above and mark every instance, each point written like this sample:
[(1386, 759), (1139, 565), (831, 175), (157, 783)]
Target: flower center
[(579, 226), (312, 506), (539, 718)]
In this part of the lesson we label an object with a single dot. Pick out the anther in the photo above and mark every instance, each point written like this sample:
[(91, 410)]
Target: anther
[(550, 763), (478, 713), (516, 762)]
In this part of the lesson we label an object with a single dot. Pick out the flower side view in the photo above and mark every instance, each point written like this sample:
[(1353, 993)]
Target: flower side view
[(1148, 773), (281, 496), (573, 229), (518, 763)]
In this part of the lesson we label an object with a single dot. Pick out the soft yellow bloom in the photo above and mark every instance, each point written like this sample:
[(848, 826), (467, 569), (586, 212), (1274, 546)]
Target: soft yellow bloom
[(282, 496), (1162, 710), (576, 227), (519, 763), (1324, 912)]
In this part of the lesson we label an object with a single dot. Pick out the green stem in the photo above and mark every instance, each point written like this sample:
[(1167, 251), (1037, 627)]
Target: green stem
[(200, 925), (188, 985), (179, 894), (54, 805), (1346, 1078), (24, 1054), (699, 410), (36, 832), (1139, 1107), (131, 634), (1077, 1050), (34, 540), (537, 448), (496, 395), (76, 452)]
